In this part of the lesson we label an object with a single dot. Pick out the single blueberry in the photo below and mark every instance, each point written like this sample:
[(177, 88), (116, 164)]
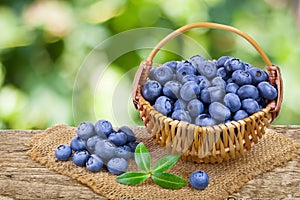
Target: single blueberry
[(128, 131), (118, 138), (267, 90), (91, 142), (132, 145), (232, 88), (190, 90), (180, 104), (218, 81), (196, 60), (77, 144), (117, 165), (241, 77), (171, 89), (234, 64), (184, 69), (199, 180), (181, 115), (222, 60), (190, 77), (80, 158), (122, 153), (205, 120), (163, 105), (219, 111), (258, 75), (221, 72), (163, 74), (248, 91), (94, 163), (239, 115), (151, 90), (207, 69), (63, 152), (232, 101), (250, 106), (105, 150), (195, 107), (103, 127), (85, 130)]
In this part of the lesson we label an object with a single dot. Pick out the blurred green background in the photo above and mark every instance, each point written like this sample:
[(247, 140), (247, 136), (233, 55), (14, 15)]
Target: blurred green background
[(44, 43)]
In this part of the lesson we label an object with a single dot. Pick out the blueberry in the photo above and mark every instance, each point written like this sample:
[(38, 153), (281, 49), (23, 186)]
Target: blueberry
[(91, 142), (248, 66), (132, 145), (199, 179), (163, 105), (77, 144), (151, 74), (163, 74), (190, 77), (122, 153), (126, 147), (262, 102), (218, 81), (239, 115), (63, 152), (181, 115), (151, 90), (171, 89), (232, 101), (212, 94), (184, 69), (190, 90), (128, 131), (248, 91), (103, 128), (105, 149), (117, 166), (171, 64), (85, 130), (119, 138), (221, 72), (203, 82), (234, 64), (94, 163), (195, 108), (207, 69), (80, 158), (267, 90), (241, 77), (219, 111), (180, 104), (222, 60), (258, 75), (196, 60), (250, 106), (232, 88), (205, 120)]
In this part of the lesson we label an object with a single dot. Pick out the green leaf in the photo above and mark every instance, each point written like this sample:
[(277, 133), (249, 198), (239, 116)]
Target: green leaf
[(132, 178), (168, 181), (142, 157), (166, 163)]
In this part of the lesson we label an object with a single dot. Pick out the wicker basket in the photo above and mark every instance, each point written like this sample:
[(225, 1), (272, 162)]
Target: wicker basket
[(209, 144)]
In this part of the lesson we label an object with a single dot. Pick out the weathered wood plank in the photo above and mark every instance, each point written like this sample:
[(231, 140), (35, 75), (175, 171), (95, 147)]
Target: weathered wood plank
[(21, 178)]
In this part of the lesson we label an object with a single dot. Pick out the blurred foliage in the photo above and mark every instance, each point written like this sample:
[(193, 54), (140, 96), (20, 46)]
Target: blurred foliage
[(44, 43)]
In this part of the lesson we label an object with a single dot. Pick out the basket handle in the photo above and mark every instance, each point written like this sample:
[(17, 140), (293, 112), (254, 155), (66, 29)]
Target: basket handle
[(274, 71)]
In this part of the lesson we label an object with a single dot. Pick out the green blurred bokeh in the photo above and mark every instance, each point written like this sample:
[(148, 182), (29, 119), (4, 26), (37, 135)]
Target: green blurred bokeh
[(43, 44)]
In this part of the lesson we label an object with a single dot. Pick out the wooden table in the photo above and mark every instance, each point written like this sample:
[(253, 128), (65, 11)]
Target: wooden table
[(22, 178)]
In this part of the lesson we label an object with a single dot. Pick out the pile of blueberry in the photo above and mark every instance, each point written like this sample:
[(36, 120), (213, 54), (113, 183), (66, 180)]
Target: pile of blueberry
[(98, 145), (206, 92)]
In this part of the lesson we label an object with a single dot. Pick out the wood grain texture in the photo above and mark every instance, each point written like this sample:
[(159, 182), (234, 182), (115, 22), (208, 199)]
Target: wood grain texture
[(22, 178)]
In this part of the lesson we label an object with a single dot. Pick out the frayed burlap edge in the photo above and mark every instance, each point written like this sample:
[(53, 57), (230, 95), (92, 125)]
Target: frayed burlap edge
[(272, 151)]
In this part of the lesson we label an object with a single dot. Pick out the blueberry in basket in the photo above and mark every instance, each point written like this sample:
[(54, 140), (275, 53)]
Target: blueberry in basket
[(98, 145), (208, 92)]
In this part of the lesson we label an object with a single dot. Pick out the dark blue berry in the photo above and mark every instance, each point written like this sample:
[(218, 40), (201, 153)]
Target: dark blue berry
[(232, 101), (205, 120), (222, 60), (190, 77), (248, 91), (218, 81), (195, 108), (171, 89), (117, 165), (122, 153), (85, 130), (80, 158), (151, 90), (232, 88), (258, 75), (199, 180), (103, 127), (196, 60), (207, 69), (219, 111), (184, 69), (63, 152), (105, 150), (180, 105), (77, 144), (91, 142), (267, 90), (234, 64), (163, 105), (128, 131), (250, 106), (132, 145), (118, 138), (223, 73), (163, 74), (190, 90), (203, 82), (239, 115), (181, 115), (212, 94), (171, 64), (94, 163), (241, 77)]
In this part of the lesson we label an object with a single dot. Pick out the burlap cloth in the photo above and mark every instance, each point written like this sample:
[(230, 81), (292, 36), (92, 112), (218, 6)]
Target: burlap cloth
[(272, 151)]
